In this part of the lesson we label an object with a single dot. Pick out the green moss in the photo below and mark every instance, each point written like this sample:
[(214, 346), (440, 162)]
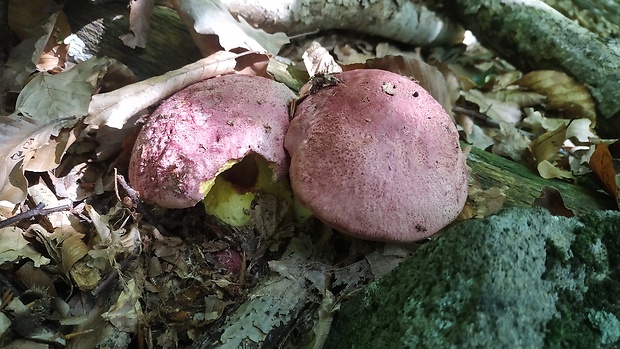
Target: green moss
[(522, 279), (595, 251)]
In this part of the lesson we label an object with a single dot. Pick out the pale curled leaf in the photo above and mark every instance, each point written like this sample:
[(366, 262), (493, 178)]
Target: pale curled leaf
[(116, 107), (139, 23), (547, 170), (212, 17), (317, 60)]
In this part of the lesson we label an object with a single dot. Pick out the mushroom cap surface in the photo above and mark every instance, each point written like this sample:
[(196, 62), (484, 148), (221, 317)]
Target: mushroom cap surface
[(205, 129), (376, 157)]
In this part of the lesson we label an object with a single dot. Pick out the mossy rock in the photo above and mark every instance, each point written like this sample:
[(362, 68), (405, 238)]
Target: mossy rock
[(520, 279)]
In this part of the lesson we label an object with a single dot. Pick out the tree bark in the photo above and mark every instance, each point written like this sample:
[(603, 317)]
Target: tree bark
[(532, 36), (409, 22), (523, 185), (169, 47)]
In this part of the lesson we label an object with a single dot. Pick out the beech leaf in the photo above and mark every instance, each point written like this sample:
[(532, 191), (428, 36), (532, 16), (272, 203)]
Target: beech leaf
[(563, 93), (602, 166), (427, 76)]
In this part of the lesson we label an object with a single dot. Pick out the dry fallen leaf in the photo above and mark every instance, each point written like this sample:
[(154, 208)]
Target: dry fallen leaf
[(497, 110), (551, 199), (547, 170), (427, 76), (139, 23), (602, 166), (563, 93), (211, 17), (19, 138), (548, 144), (510, 142), (14, 247)]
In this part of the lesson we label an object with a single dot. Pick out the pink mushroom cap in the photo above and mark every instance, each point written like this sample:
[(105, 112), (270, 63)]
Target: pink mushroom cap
[(203, 130), (376, 157)]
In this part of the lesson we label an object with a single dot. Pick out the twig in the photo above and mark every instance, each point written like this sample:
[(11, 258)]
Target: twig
[(133, 194), (482, 117), (39, 210), (106, 283)]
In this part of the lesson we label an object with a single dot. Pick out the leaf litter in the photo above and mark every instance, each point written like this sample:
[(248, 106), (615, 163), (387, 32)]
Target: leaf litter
[(105, 267)]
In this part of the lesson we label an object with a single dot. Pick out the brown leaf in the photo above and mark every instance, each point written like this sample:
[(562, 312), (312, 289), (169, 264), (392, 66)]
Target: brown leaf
[(548, 144), (551, 199), (602, 166), (426, 75), (563, 93)]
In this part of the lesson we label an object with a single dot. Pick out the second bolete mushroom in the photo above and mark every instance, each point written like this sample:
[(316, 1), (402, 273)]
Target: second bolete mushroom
[(209, 133), (375, 156)]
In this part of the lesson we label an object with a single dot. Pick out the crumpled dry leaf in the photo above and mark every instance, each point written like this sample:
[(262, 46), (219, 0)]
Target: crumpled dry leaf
[(211, 17), (49, 156), (563, 93), (49, 103), (127, 311), (14, 247), (64, 245), (318, 61), (510, 142), (482, 202), (497, 110), (42, 26), (19, 138)]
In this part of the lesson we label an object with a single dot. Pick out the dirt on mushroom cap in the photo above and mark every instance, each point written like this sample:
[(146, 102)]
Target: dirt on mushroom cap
[(203, 129), (375, 156)]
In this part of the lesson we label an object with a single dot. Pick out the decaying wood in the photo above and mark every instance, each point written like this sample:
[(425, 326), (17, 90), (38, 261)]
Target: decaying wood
[(531, 35), (409, 22), (523, 185), (169, 44)]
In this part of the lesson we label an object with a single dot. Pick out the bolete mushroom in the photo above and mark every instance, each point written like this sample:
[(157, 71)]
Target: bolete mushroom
[(204, 130), (375, 156)]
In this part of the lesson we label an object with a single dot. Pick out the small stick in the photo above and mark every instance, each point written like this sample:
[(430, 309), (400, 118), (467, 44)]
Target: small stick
[(39, 210)]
